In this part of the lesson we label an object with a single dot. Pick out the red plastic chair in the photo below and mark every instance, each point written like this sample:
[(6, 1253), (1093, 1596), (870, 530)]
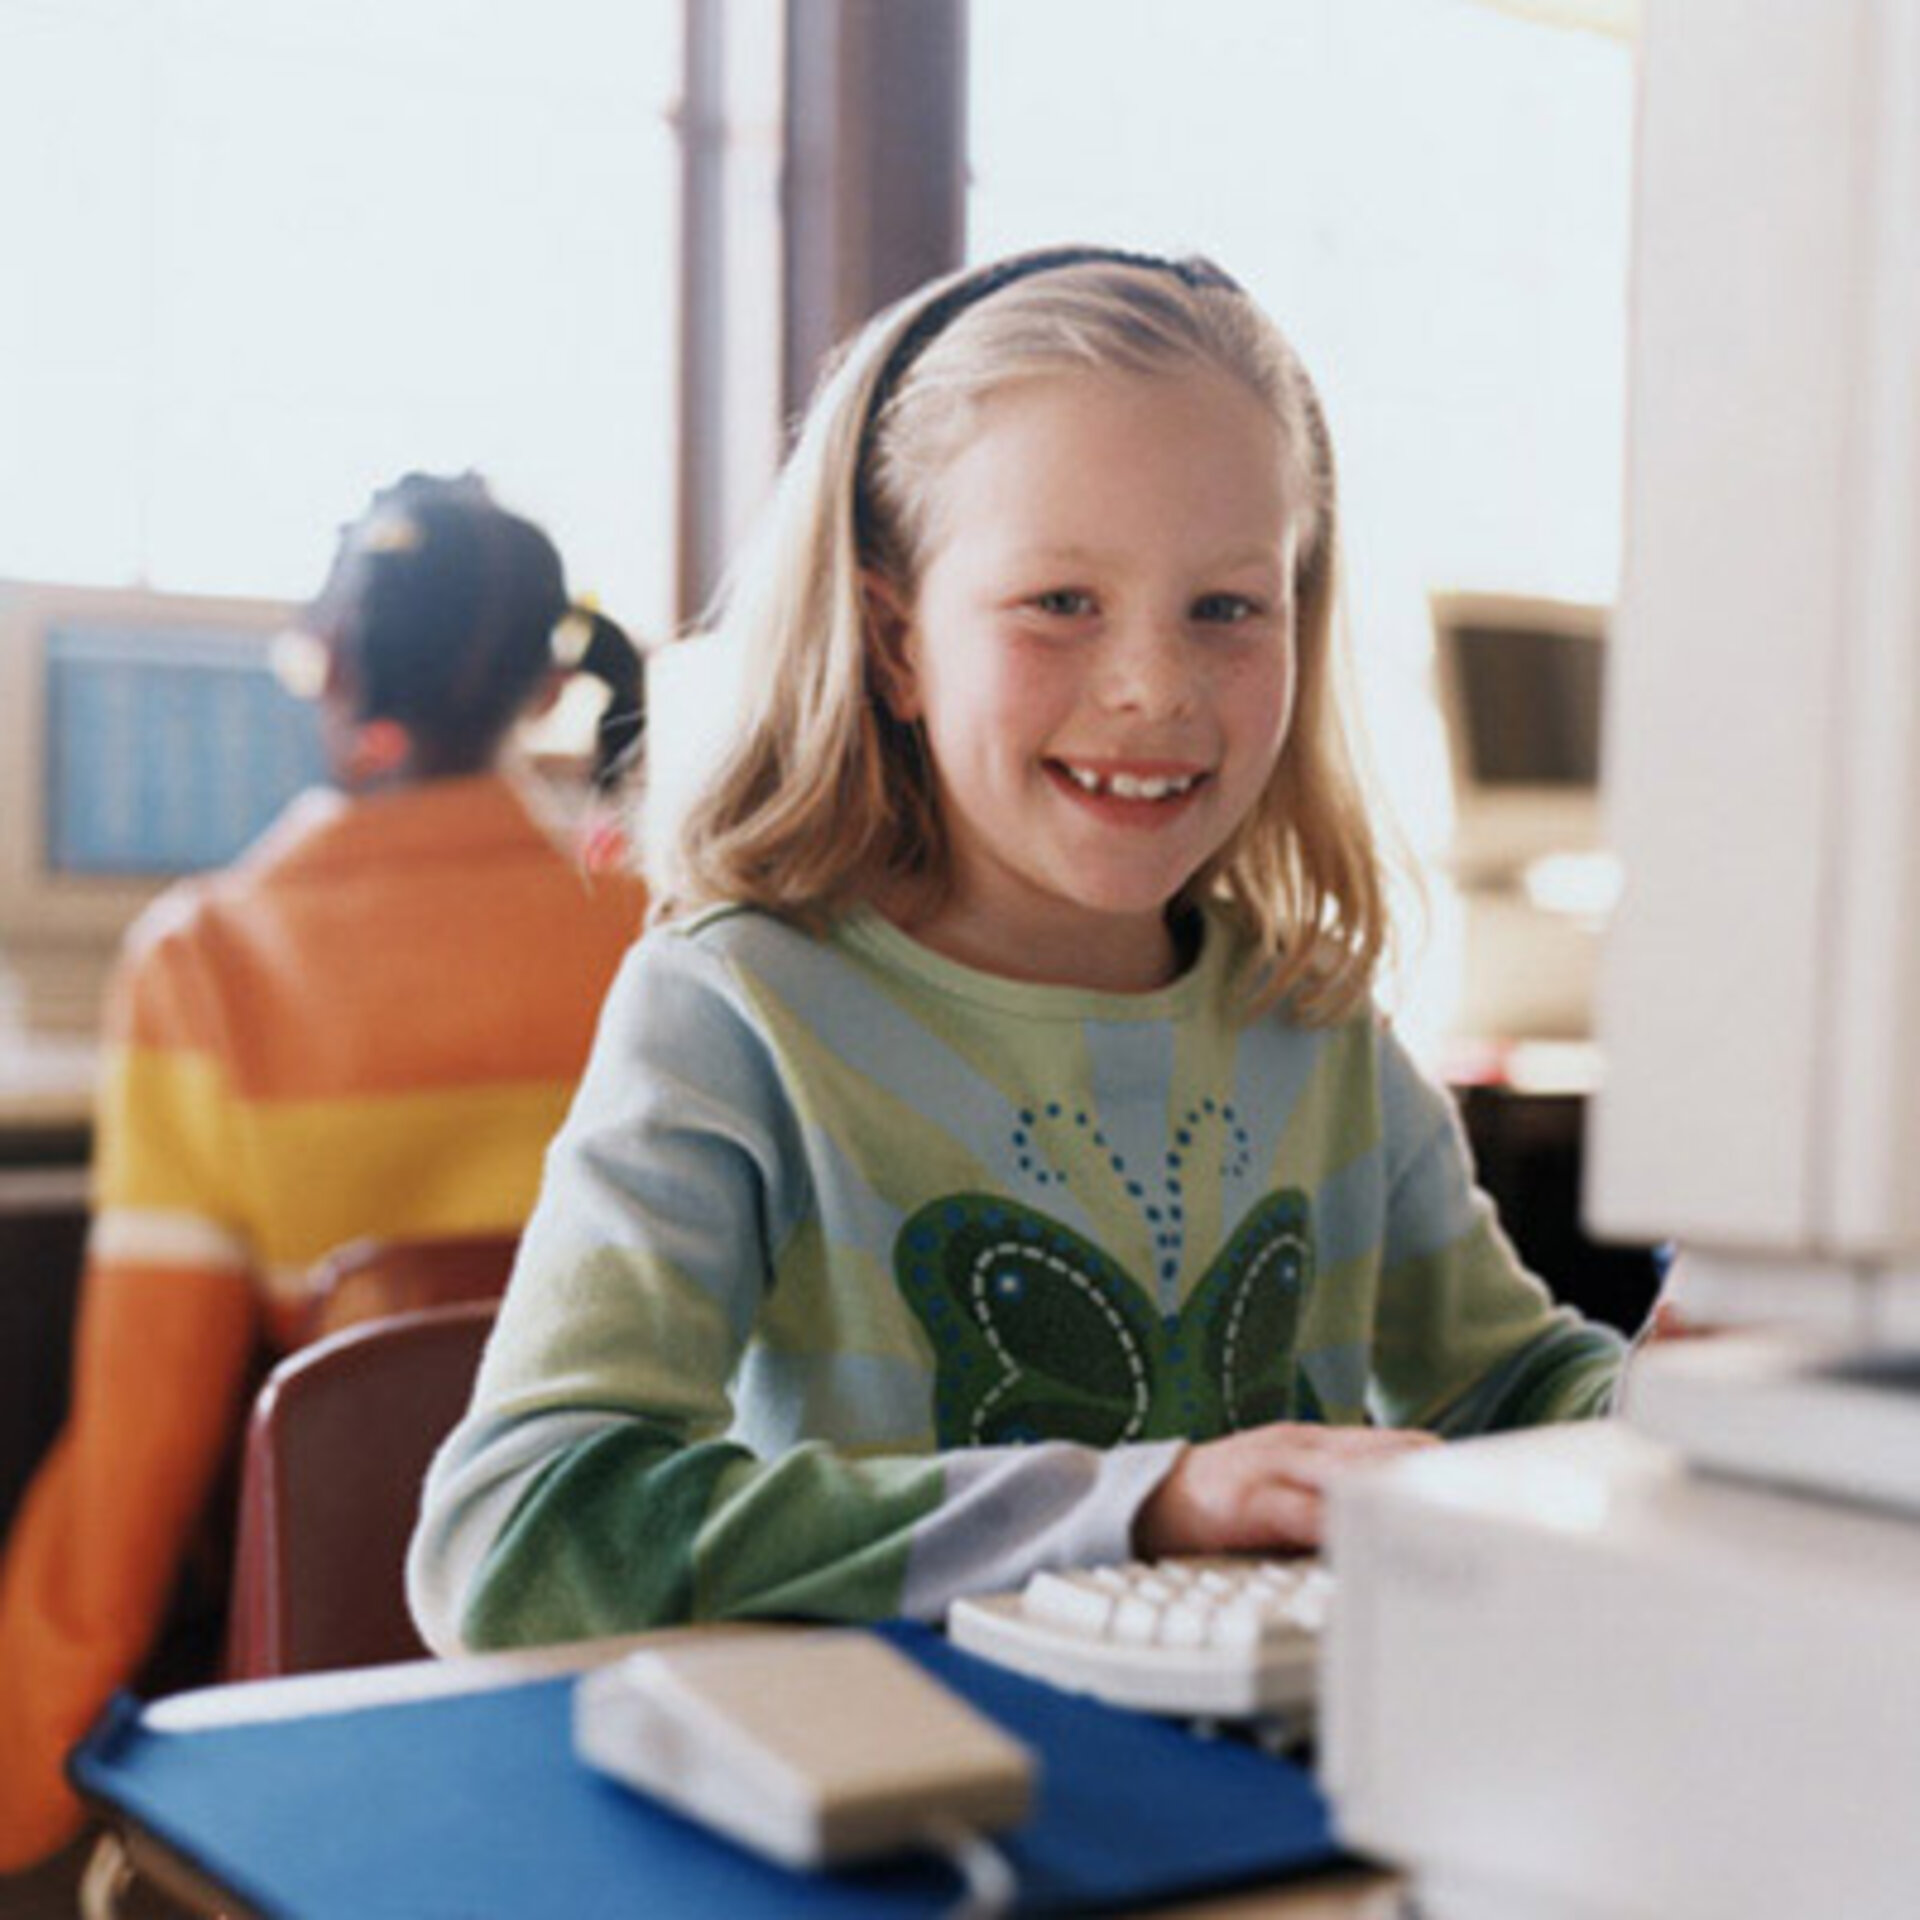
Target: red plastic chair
[(369, 1279), (336, 1450)]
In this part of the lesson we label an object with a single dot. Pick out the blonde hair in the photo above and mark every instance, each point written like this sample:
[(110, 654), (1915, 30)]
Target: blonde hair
[(826, 799)]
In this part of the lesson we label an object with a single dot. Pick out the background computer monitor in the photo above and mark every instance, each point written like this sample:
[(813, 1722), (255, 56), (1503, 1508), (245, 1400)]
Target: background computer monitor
[(143, 736), (1520, 684)]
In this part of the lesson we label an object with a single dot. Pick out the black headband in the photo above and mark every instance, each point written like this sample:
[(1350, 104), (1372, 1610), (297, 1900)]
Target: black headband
[(940, 312)]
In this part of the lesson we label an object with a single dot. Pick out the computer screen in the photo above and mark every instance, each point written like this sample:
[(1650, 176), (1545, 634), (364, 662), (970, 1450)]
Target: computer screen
[(1520, 683), (143, 736), (165, 753)]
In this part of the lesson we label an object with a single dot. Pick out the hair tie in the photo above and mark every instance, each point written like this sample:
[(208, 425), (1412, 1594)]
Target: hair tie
[(391, 532), (572, 635)]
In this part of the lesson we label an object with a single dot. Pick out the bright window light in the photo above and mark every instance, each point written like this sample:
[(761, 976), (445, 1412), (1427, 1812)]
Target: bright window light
[(264, 255)]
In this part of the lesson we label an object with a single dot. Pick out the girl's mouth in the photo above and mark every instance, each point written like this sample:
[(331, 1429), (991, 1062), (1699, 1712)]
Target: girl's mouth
[(1120, 784)]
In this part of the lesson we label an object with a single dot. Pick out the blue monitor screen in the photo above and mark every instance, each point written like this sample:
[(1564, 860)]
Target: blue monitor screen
[(167, 750)]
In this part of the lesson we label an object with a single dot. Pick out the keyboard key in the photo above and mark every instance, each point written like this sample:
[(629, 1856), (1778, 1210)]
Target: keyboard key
[(1220, 1637), (1079, 1604)]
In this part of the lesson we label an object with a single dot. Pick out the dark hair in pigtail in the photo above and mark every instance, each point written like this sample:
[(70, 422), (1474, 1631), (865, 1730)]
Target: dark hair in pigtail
[(609, 656)]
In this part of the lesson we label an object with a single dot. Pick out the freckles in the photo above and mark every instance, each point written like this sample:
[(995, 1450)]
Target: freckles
[(1262, 684)]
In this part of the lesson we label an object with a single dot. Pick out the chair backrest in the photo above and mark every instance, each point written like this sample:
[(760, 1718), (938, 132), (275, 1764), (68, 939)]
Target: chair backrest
[(336, 1450), (369, 1279)]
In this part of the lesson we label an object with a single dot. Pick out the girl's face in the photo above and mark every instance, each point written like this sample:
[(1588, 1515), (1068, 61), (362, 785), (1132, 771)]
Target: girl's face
[(1101, 654)]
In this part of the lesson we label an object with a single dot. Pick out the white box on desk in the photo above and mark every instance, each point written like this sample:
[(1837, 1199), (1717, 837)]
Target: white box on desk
[(1567, 1677)]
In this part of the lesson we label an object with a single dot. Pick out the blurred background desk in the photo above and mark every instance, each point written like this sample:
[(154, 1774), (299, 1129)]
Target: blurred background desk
[(46, 1103), (1524, 1106)]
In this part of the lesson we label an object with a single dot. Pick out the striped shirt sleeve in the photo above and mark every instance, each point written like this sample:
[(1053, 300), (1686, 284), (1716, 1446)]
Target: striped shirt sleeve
[(1466, 1340)]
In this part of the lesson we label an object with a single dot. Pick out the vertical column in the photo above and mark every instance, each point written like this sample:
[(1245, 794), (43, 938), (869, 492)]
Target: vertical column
[(875, 185), (824, 175)]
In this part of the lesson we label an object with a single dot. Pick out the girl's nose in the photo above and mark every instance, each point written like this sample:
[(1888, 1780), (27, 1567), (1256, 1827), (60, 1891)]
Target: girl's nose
[(1147, 668)]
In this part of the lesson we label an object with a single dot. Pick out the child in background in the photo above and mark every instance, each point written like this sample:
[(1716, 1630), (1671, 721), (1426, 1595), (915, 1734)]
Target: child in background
[(993, 1160), (371, 1024)]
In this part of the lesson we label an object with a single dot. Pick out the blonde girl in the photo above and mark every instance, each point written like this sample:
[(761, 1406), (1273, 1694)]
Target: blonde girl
[(991, 1160)]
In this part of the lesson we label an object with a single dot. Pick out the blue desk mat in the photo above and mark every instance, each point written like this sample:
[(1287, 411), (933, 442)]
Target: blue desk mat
[(473, 1805)]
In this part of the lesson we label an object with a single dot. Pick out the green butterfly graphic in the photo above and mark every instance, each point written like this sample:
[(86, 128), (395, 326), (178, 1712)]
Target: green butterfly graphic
[(1038, 1334)]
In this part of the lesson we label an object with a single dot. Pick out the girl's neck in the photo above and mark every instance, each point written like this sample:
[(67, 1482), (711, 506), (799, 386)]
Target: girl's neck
[(1140, 959)]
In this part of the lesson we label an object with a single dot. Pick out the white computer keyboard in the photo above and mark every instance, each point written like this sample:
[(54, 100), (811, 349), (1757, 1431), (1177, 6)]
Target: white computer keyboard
[(1215, 1638)]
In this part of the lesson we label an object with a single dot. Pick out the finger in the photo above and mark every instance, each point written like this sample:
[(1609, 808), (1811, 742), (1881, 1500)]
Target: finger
[(1278, 1515), (1318, 1433), (1319, 1469)]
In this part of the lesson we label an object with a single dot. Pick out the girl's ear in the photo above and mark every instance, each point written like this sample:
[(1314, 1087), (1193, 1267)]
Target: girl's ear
[(889, 622), (377, 752)]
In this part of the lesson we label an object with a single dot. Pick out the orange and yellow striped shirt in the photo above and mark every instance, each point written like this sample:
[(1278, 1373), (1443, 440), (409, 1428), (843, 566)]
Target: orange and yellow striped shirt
[(371, 1024)]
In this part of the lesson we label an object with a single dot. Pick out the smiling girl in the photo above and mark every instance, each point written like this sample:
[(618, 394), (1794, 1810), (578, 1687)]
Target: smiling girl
[(992, 1161)]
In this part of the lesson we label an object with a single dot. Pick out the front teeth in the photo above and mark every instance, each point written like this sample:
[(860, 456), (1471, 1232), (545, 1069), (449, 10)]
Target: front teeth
[(1129, 786)]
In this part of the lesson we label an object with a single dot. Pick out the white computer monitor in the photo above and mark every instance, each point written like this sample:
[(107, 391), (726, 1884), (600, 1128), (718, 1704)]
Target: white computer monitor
[(143, 736), (1519, 682), (1760, 993)]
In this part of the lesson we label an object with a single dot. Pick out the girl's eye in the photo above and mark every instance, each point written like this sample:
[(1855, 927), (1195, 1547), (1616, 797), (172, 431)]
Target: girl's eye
[(1224, 609), (1064, 603)]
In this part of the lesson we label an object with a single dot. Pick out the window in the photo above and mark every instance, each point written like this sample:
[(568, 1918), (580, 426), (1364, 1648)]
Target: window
[(263, 255)]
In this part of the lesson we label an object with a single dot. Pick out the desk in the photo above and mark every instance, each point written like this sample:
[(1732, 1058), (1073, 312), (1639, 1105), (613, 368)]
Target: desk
[(46, 1085), (1356, 1894), (1529, 1146), (46, 1101)]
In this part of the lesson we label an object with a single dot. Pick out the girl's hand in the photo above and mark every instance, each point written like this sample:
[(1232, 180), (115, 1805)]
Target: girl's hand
[(1258, 1491)]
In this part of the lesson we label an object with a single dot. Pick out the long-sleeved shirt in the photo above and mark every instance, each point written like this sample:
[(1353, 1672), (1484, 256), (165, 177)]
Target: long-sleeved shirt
[(371, 1024), (861, 1279)]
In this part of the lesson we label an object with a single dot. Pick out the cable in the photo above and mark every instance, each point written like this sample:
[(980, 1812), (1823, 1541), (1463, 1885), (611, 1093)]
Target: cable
[(990, 1884), (106, 1880)]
